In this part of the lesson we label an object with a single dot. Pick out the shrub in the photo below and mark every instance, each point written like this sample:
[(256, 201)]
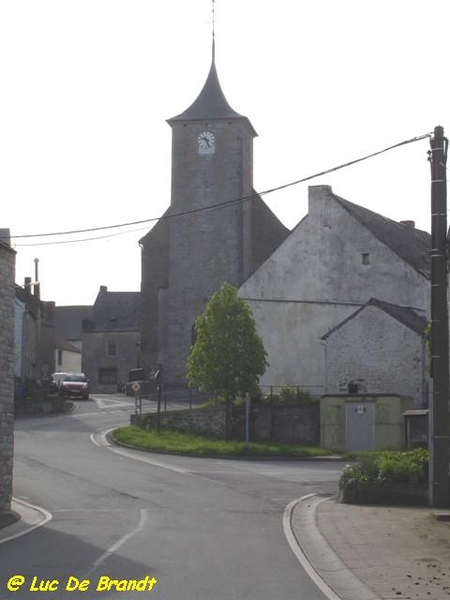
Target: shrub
[(403, 466), (390, 466), (289, 396)]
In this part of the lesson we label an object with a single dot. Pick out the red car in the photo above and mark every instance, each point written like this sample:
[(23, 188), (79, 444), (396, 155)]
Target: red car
[(75, 385)]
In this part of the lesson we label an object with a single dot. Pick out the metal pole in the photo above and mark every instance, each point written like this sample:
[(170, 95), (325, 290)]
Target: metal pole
[(158, 410), (439, 480), (247, 418)]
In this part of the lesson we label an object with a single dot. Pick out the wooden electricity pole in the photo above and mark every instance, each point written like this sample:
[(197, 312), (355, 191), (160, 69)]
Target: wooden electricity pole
[(439, 488)]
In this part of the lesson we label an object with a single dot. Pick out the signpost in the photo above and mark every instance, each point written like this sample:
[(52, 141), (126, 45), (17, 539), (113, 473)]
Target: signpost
[(136, 387)]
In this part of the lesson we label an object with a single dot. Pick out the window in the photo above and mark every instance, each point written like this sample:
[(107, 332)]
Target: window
[(59, 360), (111, 350), (365, 258), (108, 375)]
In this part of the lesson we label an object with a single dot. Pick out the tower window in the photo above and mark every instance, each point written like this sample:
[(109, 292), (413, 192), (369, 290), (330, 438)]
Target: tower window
[(111, 350), (365, 258)]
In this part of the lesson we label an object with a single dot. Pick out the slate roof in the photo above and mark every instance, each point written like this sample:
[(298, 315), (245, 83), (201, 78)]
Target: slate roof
[(65, 345), (210, 103), (410, 244), (69, 321), (116, 311), (403, 314)]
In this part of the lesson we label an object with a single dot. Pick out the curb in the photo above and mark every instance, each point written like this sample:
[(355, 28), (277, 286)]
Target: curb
[(334, 579), (260, 457), (30, 517)]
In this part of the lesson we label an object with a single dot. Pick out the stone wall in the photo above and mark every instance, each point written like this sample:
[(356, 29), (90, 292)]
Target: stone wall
[(285, 424), (7, 276), (379, 354)]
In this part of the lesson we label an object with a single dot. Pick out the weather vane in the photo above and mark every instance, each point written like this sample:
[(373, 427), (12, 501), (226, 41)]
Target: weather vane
[(213, 31)]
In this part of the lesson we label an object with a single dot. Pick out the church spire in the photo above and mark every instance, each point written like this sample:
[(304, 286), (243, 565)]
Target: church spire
[(211, 102)]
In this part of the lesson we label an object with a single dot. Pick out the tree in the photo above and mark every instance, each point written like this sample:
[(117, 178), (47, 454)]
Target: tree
[(228, 355)]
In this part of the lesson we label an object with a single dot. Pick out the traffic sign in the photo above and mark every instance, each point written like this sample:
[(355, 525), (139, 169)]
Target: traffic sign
[(136, 386)]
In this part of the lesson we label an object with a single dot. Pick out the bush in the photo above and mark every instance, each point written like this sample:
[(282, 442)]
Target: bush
[(403, 467), (288, 396), (390, 466)]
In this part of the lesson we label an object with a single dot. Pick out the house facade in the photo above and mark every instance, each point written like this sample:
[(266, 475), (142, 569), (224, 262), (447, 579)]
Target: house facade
[(34, 359), (67, 357), (7, 310), (337, 258), (380, 349), (111, 339)]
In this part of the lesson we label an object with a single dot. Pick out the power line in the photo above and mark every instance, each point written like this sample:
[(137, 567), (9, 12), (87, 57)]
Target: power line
[(221, 205)]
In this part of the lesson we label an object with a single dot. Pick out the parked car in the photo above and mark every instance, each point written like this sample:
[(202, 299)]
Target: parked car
[(75, 385)]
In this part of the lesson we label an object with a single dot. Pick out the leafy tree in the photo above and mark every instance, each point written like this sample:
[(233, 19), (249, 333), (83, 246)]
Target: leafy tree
[(228, 355)]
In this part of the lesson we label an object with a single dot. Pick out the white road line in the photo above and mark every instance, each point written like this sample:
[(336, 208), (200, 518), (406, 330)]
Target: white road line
[(149, 461), (301, 556), (99, 402), (141, 525), (99, 438)]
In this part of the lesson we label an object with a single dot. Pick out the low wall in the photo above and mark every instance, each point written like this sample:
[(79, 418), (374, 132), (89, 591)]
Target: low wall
[(285, 424)]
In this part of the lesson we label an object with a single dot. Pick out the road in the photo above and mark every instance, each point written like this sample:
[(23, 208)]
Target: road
[(205, 529)]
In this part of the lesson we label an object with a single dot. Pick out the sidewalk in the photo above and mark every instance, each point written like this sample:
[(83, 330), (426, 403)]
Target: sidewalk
[(372, 553), (23, 518)]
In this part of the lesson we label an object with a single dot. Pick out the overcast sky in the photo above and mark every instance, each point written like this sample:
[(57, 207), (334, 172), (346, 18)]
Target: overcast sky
[(87, 86)]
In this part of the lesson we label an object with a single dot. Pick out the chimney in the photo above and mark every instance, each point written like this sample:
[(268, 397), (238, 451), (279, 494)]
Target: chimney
[(408, 223), (103, 289), (5, 236), (37, 285)]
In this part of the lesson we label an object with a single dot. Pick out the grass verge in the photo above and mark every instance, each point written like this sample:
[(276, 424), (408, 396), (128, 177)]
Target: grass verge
[(184, 443)]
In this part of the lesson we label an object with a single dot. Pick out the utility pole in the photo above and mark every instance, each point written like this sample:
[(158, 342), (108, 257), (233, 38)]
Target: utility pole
[(439, 480)]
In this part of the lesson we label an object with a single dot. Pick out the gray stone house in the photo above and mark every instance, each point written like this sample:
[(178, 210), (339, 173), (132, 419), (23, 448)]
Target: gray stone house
[(337, 258), (111, 339), (379, 349), (34, 354), (7, 274)]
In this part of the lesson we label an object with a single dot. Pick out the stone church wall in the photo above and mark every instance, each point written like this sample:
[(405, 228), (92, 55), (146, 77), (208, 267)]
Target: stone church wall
[(7, 304)]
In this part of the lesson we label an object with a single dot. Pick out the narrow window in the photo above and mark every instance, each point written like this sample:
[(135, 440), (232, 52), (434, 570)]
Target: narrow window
[(352, 388), (59, 358), (111, 350), (365, 258)]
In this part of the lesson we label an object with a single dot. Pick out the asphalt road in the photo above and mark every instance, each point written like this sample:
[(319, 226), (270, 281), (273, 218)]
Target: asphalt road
[(205, 529)]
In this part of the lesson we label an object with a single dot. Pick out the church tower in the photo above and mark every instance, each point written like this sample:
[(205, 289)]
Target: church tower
[(209, 235), (212, 169)]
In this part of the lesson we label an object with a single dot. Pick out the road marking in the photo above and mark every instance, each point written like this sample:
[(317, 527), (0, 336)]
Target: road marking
[(99, 438), (149, 461), (301, 556), (141, 525)]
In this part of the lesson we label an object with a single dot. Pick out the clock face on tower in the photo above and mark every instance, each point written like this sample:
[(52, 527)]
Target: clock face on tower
[(206, 143)]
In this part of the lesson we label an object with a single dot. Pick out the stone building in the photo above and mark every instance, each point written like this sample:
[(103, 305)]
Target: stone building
[(337, 258), (216, 228), (379, 349), (111, 339), (69, 323), (34, 336), (7, 274)]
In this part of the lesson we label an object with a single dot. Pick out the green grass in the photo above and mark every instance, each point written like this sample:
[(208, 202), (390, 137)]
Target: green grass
[(184, 443)]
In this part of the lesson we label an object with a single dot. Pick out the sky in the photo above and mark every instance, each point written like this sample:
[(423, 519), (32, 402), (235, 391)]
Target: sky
[(87, 87)]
